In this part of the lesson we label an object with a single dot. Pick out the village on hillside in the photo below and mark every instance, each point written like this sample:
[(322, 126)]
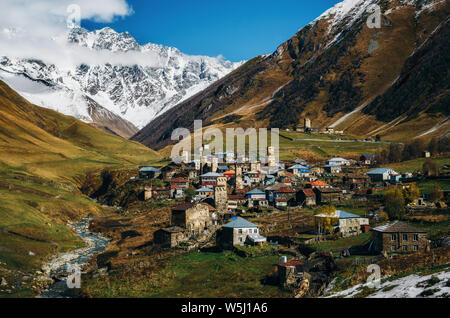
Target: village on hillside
[(310, 216)]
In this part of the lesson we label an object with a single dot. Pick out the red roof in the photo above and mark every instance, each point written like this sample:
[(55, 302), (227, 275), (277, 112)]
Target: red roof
[(174, 186), (309, 192), (229, 172), (178, 180), (319, 183), (293, 262)]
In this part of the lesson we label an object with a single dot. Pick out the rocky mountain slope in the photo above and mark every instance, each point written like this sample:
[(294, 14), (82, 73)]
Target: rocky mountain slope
[(332, 71), (112, 81)]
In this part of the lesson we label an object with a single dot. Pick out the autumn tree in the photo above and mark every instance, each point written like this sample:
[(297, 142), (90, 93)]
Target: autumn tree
[(394, 202), (326, 220), (411, 193), (436, 194), (382, 216)]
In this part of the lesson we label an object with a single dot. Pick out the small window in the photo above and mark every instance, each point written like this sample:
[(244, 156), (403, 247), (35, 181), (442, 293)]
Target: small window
[(240, 239), (393, 237), (416, 237), (240, 231), (393, 248), (405, 237), (416, 248), (405, 248), (255, 231)]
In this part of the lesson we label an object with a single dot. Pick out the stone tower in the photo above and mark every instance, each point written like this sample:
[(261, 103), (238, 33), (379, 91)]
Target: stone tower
[(147, 193), (221, 196), (185, 157), (271, 157), (255, 166), (215, 164), (307, 123), (238, 178)]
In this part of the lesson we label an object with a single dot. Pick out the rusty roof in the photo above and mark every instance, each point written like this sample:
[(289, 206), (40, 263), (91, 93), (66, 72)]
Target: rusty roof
[(309, 192), (292, 262)]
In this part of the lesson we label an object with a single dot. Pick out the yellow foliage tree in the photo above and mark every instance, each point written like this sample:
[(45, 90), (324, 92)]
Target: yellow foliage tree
[(411, 193), (326, 222)]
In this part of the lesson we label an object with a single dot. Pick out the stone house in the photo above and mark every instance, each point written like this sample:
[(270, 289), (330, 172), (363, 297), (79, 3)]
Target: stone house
[(356, 181), (290, 272), (239, 232), (306, 197), (156, 193), (236, 200), (334, 168), (399, 237), (169, 171), (169, 237), (285, 195), (195, 218), (149, 173), (204, 193), (180, 181), (177, 192), (210, 179)]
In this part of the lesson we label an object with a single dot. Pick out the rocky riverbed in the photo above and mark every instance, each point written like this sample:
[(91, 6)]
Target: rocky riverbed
[(58, 268)]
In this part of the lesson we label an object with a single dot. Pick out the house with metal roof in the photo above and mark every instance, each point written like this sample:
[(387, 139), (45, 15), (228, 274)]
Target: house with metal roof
[(204, 192), (338, 162), (299, 170), (256, 198), (149, 172), (240, 232), (344, 223), (381, 174)]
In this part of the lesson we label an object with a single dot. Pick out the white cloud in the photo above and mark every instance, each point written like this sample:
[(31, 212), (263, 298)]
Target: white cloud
[(38, 28), (48, 17)]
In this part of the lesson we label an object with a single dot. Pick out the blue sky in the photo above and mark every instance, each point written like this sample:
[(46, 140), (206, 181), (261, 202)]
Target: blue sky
[(236, 29)]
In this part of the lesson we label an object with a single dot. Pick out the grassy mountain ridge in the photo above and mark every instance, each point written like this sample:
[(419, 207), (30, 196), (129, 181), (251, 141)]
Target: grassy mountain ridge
[(44, 158), (328, 76)]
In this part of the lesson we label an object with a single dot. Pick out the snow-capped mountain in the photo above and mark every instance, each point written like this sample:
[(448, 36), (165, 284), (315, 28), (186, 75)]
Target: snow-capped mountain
[(135, 82)]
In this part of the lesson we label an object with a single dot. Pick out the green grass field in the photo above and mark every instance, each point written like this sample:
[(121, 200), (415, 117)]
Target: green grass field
[(416, 164), (195, 275), (343, 243)]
